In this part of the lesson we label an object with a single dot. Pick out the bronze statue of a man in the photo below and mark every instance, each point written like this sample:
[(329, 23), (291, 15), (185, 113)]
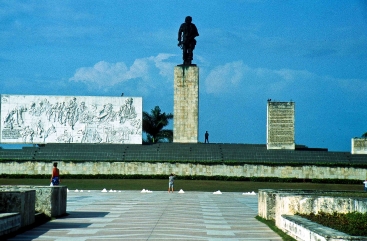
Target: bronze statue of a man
[(186, 39)]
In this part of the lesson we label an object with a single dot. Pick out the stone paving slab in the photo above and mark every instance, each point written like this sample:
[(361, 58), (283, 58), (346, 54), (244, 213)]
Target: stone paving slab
[(131, 215)]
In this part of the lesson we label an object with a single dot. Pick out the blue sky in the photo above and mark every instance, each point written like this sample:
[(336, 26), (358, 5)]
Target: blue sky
[(311, 52)]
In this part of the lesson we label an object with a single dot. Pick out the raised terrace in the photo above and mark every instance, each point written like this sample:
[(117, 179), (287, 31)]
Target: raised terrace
[(178, 152)]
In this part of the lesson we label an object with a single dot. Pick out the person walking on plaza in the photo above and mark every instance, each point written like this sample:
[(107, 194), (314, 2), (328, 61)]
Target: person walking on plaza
[(171, 180), (206, 137), (55, 177)]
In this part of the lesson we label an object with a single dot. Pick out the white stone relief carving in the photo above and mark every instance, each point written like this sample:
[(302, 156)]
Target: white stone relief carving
[(70, 119)]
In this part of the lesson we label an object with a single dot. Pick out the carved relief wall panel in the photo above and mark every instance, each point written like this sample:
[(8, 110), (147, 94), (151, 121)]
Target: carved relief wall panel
[(42, 119)]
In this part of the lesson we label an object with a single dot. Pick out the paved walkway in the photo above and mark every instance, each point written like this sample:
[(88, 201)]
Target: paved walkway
[(132, 215)]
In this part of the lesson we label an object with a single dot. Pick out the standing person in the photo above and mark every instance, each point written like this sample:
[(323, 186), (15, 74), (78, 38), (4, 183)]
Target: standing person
[(171, 180), (55, 177), (365, 186), (206, 137)]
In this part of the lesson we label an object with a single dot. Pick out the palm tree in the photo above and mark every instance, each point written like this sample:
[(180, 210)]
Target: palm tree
[(154, 123)]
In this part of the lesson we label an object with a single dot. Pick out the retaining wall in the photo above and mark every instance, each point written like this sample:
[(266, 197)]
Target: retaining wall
[(185, 169)]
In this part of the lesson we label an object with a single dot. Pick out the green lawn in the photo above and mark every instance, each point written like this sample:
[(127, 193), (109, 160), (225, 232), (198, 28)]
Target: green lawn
[(186, 185)]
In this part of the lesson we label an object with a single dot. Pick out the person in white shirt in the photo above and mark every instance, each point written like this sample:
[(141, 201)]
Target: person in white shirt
[(365, 186)]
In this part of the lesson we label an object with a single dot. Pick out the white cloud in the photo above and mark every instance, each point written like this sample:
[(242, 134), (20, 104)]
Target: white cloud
[(237, 77), (357, 86), (291, 75), (233, 78), (225, 77), (109, 74), (165, 68)]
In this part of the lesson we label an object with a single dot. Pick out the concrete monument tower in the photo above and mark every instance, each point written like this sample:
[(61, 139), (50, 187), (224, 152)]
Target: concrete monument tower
[(186, 104), (186, 88)]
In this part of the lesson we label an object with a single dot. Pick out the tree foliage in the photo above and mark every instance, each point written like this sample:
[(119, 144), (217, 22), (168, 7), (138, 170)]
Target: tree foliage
[(153, 124)]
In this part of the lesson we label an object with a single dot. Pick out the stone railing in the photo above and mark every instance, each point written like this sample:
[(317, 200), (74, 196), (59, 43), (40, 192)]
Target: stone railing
[(275, 204)]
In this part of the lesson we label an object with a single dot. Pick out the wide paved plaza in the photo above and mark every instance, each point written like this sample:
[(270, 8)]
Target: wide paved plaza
[(132, 215)]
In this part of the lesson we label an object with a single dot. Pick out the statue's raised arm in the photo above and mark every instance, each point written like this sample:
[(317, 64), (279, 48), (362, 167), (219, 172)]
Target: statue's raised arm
[(186, 40)]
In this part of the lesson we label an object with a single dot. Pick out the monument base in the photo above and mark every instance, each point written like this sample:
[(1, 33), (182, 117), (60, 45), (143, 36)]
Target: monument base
[(283, 146)]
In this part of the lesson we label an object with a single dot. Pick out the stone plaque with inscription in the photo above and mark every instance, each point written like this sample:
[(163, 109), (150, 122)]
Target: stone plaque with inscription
[(280, 125), (359, 146)]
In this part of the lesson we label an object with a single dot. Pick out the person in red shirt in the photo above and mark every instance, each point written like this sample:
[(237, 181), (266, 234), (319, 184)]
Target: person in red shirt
[(55, 177)]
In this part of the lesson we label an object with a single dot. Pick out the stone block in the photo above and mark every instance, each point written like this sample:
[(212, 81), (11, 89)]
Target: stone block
[(19, 201), (268, 200), (9, 222), (51, 201)]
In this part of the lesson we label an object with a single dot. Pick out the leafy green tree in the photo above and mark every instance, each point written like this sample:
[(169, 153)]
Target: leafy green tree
[(364, 135), (153, 124)]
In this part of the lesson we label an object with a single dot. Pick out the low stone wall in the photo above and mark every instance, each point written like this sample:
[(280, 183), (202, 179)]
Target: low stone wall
[(19, 201), (50, 201), (273, 204), (267, 203), (186, 169), (304, 229)]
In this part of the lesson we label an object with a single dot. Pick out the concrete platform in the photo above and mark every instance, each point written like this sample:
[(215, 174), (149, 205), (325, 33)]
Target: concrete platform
[(132, 215)]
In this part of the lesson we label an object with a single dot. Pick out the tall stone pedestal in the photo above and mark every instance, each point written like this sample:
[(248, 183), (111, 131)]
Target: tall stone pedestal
[(186, 104), (280, 125)]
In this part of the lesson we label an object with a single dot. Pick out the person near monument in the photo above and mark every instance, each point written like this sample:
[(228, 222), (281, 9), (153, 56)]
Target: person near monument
[(186, 39), (171, 180), (365, 186), (206, 137), (55, 177)]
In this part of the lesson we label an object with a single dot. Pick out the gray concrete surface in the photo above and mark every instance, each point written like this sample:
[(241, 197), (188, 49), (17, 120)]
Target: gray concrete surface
[(132, 215)]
